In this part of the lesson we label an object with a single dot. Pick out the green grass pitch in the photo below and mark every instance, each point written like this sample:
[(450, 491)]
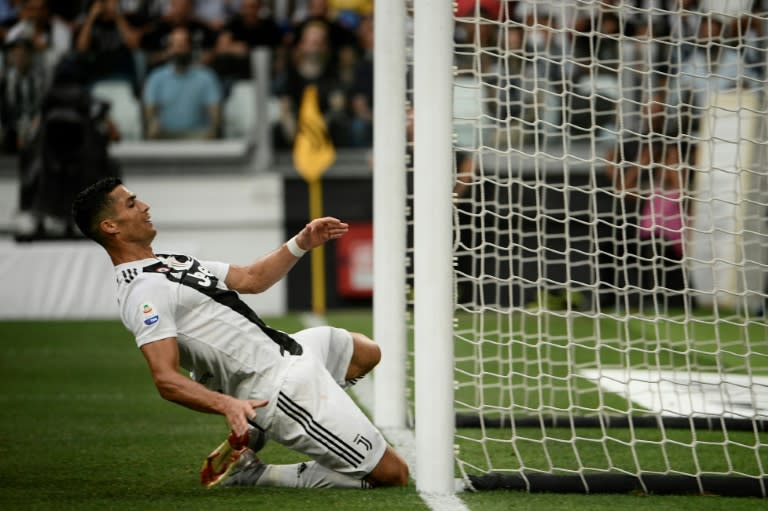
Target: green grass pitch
[(83, 428), (539, 355)]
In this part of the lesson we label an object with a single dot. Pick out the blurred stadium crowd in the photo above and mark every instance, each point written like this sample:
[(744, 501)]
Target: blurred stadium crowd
[(80, 75), (170, 67), (559, 72), (129, 49)]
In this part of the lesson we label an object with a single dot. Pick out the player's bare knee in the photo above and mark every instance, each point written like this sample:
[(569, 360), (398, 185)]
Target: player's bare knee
[(392, 470), (366, 354), (395, 475), (401, 476), (374, 355)]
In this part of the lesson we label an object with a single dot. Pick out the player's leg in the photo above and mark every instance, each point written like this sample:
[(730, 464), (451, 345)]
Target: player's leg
[(366, 355), (250, 471), (348, 356), (392, 470), (230, 456), (308, 474), (316, 417)]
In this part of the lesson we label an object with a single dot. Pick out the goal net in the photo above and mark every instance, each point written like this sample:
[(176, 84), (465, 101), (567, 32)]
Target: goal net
[(609, 244)]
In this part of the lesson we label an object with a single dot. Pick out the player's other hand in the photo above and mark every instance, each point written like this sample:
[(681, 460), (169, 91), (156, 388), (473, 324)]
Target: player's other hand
[(320, 230)]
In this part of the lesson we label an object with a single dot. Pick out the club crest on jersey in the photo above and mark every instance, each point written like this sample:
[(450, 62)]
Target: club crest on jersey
[(150, 315), (179, 262)]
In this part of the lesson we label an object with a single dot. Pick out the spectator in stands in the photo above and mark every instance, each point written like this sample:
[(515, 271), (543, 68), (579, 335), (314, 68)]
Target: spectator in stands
[(345, 76), (339, 35), (247, 30), (474, 33), (215, 13), (182, 99), (752, 26), (51, 37), (69, 11), (106, 39), (361, 132), (683, 26), (650, 176), (547, 39), (9, 15), (180, 14), (147, 10), (662, 223), (627, 169), (22, 87), (312, 65), (69, 151), (592, 90), (713, 63), (513, 93), (645, 57), (605, 79), (342, 40)]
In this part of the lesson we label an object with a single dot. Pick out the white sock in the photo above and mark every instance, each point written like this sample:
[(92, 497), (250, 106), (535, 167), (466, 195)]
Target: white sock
[(309, 474)]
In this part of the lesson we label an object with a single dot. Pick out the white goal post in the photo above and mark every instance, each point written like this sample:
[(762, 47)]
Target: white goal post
[(570, 280)]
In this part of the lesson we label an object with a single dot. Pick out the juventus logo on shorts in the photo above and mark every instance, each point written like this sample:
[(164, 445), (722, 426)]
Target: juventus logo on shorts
[(361, 440)]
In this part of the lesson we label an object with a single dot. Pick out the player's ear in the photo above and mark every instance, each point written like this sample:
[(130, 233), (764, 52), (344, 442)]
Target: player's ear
[(108, 226)]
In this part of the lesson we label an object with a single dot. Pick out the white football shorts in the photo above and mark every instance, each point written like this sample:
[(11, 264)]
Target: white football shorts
[(315, 416), (331, 346)]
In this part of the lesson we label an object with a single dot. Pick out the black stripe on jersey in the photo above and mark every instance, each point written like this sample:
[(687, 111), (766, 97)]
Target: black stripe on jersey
[(318, 431), (227, 298)]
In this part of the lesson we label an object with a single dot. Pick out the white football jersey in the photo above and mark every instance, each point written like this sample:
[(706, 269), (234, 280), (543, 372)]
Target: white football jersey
[(222, 342)]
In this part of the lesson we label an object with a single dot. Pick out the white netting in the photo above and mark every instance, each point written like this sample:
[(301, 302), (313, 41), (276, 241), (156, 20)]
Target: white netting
[(610, 240)]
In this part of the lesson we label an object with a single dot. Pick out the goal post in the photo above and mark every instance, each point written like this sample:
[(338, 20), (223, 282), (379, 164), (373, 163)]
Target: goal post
[(589, 237), (432, 241), (389, 203)]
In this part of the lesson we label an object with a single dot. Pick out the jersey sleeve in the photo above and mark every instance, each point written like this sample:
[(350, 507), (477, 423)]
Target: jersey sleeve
[(149, 310), (217, 269)]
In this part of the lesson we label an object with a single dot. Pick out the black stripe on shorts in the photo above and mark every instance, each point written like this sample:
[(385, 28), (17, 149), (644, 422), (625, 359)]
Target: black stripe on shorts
[(318, 432)]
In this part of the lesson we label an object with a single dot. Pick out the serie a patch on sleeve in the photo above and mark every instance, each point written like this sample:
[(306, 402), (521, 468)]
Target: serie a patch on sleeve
[(149, 314)]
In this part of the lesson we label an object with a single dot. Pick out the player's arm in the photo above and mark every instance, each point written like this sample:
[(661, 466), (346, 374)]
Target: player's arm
[(266, 271), (163, 360)]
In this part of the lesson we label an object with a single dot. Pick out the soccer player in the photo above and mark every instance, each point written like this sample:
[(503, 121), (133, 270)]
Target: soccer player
[(267, 384)]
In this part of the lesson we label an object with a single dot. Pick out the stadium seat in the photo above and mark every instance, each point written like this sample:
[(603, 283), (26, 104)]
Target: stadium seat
[(241, 111), (126, 109)]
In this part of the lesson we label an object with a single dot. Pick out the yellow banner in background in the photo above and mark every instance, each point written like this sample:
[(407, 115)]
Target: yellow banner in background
[(313, 153), (313, 150)]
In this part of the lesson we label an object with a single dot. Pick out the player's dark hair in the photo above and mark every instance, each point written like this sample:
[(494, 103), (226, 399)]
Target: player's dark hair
[(90, 206)]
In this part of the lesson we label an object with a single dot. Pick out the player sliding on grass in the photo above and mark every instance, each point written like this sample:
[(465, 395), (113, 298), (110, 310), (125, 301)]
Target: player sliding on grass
[(185, 312)]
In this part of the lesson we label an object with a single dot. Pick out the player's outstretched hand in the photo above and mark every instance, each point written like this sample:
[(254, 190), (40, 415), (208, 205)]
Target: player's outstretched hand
[(320, 230), (240, 411)]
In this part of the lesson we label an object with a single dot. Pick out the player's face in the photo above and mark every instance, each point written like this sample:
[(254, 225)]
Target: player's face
[(131, 216)]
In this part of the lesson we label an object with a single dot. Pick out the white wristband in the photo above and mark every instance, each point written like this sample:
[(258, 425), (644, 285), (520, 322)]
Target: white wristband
[(294, 248)]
